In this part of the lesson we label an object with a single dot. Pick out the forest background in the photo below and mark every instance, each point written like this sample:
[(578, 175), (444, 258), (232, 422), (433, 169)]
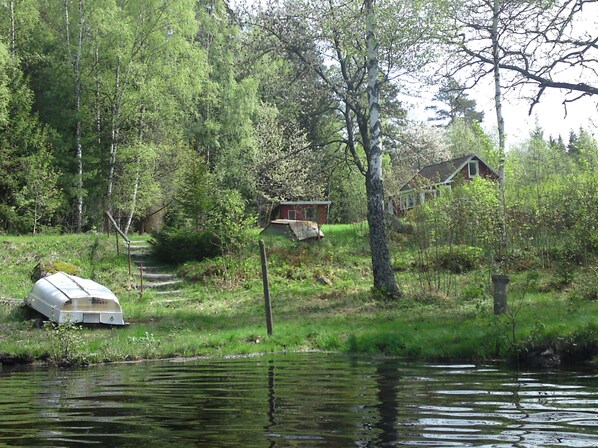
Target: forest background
[(204, 116)]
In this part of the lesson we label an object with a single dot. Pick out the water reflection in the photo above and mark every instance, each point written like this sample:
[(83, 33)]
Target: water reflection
[(387, 383), (307, 400)]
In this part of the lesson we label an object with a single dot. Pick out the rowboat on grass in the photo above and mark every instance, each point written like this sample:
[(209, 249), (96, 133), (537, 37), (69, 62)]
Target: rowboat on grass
[(65, 298)]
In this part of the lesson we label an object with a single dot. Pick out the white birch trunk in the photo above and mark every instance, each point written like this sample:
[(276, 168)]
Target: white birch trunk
[(501, 127), (115, 110), (384, 279), (137, 177), (75, 59)]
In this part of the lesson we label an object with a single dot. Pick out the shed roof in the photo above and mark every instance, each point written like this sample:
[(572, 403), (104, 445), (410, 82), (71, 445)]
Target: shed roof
[(305, 203)]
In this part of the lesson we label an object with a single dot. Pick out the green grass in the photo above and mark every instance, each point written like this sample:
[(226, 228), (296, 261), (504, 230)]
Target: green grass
[(224, 312)]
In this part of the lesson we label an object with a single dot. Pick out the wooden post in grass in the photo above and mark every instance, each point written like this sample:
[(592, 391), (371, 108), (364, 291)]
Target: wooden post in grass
[(117, 246), (266, 287), (129, 256), (501, 286), (141, 276)]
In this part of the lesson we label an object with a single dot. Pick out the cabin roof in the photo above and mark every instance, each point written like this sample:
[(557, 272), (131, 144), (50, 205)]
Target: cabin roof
[(305, 203), (443, 172)]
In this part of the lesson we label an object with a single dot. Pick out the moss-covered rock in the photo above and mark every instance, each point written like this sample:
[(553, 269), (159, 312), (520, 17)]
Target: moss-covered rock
[(49, 267)]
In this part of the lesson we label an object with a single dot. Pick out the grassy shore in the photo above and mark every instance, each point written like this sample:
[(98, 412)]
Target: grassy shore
[(321, 300)]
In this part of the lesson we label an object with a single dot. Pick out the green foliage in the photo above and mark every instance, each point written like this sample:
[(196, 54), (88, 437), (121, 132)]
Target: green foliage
[(40, 197), (469, 138), (195, 194), (229, 220), (180, 245), (27, 162), (456, 259), (467, 214), (4, 81), (348, 196), (585, 285), (459, 258), (552, 202), (457, 104), (66, 343)]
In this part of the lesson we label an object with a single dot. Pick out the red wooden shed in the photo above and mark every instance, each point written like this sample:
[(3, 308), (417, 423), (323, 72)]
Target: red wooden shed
[(316, 211)]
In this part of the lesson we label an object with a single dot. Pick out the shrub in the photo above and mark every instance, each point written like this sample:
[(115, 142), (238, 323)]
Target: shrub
[(66, 343), (521, 260), (585, 286), (456, 259), (180, 246)]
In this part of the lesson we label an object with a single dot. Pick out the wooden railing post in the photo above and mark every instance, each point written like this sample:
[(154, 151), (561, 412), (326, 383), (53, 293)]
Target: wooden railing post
[(266, 288), (129, 256)]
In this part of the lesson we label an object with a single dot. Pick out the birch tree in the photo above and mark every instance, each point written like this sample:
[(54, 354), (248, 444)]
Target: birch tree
[(342, 43), (74, 51), (556, 49), (483, 32)]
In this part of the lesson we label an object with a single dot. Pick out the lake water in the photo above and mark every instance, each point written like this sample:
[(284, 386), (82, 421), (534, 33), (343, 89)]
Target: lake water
[(297, 400)]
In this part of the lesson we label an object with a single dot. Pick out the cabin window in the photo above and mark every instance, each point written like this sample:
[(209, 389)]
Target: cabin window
[(310, 213), (429, 194), (292, 214), (408, 201), (473, 168)]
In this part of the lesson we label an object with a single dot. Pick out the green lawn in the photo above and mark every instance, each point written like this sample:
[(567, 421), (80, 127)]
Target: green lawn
[(223, 310)]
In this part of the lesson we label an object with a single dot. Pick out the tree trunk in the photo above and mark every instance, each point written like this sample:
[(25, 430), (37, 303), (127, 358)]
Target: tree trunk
[(75, 59), (137, 175), (114, 131), (501, 130), (384, 279), (11, 11)]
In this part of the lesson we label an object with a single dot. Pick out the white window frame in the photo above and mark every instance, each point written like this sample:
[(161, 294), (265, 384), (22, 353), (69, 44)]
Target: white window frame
[(292, 213), (475, 163), (311, 211)]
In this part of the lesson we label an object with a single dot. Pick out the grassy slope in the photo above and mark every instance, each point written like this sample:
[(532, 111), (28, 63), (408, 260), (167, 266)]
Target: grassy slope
[(224, 313)]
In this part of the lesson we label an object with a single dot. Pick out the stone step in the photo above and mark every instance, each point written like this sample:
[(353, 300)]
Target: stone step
[(161, 285), (143, 249), (167, 293), (166, 301), (140, 255), (153, 268), (153, 276)]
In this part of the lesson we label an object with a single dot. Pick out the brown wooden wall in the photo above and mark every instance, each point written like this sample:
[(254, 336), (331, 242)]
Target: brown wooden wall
[(301, 212)]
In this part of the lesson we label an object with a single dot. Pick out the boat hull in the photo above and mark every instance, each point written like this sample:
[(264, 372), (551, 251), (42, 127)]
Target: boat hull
[(64, 298)]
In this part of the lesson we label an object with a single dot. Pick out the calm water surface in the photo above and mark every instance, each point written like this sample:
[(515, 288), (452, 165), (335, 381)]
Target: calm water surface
[(298, 400)]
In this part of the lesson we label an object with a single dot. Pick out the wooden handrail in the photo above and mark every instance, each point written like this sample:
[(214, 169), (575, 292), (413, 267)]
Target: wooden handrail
[(117, 228)]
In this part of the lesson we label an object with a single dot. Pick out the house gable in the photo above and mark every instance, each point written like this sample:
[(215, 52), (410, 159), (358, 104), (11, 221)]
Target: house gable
[(428, 181)]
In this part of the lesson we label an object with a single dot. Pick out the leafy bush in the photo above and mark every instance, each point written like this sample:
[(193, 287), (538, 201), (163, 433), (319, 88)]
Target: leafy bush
[(521, 260), (456, 259), (66, 346), (459, 258), (585, 286), (179, 246)]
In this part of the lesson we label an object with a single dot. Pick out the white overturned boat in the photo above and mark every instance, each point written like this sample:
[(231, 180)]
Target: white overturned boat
[(66, 298)]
